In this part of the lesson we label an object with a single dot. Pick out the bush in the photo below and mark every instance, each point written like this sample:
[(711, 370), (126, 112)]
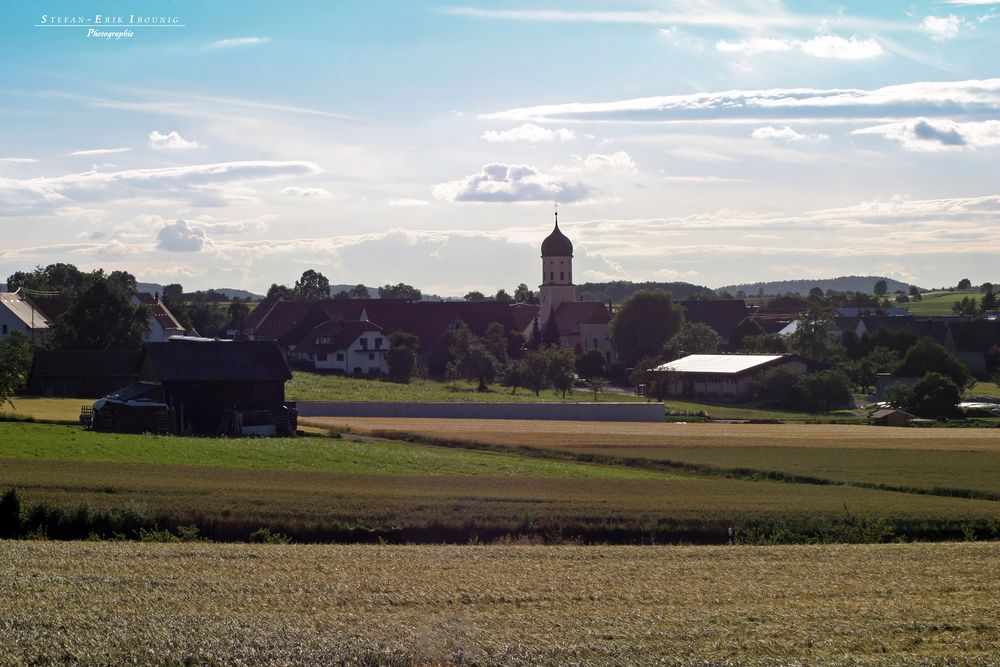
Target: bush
[(266, 536), (936, 396)]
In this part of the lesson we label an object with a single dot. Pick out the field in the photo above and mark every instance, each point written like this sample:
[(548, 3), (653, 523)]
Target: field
[(939, 303), (129, 603), (320, 387), (594, 482)]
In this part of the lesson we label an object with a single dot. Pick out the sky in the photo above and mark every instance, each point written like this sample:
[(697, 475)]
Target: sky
[(238, 144)]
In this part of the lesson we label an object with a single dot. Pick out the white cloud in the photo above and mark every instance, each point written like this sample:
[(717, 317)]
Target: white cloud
[(942, 28), (528, 132), (618, 161), (204, 185), (306, 193), (922, 134), (409, 202), (239, 41), (512, 183), (824, 46), (178, 236), (17, 160), (917, 99), (101, 151), (170, 141), (785, 134)]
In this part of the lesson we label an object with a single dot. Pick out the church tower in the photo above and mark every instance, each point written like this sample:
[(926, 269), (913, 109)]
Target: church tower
[(557, 274)]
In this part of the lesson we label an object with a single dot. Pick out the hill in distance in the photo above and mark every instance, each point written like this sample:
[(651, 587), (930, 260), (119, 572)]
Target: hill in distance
[(229, 292), (864, 284), (619, 290)]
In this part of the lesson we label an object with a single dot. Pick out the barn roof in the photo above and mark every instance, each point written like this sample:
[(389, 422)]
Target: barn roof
[(723, 315), (885, 412), (85, 363), (215, 361), (729, 364), (24, 310)]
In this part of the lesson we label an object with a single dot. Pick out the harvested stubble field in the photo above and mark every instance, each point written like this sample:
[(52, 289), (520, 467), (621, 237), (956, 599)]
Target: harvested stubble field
[(128, 603), (949, 461)]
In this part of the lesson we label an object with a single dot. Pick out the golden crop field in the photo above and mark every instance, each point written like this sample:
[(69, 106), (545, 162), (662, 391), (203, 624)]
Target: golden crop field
[(539, 433), (117, 603)]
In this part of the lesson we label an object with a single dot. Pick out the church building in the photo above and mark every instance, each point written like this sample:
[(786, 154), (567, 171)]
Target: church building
[(583, 325)]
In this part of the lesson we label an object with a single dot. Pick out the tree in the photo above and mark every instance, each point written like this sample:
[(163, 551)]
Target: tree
[(276, 291), (881, 288), (864, 371), (811, 338), (550, 334), (238, 312), (502, 297), (643, 324), (778, 385), (928, 356), (471, 358), (496, 342), (312, 285), (475, 295), (399, 291), (967, 306), (915, 293), (824, 390), (692, 338), (359, 292), (523, 294), (989, 300), (560, 368), (597, 385), (402, 355), (535, 337), (935, 396), (964, 283), (15, 363), (591, 364), (535, 369), (102, 317)]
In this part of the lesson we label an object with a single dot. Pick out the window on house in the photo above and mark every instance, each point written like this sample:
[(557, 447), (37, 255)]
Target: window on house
[(371, 356), (378, 343), (320, 357), (5, 330), (364, 343), (562, 275), (340, 356), (552, 275)]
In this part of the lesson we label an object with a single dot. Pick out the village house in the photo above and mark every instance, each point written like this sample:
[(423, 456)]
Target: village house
[(20, 313), (349, 348)]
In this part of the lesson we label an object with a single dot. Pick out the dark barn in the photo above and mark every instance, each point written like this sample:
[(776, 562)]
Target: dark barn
[(82, 373), (219, 387)]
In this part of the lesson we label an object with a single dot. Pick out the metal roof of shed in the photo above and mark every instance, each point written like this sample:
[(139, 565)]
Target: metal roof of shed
[(718, 363), (23, 310)]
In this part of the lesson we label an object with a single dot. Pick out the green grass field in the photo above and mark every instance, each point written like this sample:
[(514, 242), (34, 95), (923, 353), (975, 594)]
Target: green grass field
[(939, 303), (321, 387)]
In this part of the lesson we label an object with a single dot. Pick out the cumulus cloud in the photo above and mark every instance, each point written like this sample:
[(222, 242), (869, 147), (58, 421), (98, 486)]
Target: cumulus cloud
[(239, 41), (101, 151), (512, 183), (942, 28), (179, 236), (923, 134), (170, 141), (409, 202), (938, 98), (823, 46), (306, 193), (528, 132), (785, 134), (618, 161)]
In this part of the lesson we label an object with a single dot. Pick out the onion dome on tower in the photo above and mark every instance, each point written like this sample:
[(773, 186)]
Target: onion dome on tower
[(556, 244)]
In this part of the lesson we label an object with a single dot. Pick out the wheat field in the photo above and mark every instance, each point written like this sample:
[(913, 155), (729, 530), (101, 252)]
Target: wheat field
[(122, 603)]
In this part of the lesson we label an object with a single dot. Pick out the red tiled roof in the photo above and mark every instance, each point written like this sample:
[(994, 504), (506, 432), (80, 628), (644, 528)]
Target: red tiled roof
[(285, 317), (159, 311), (571, 314)]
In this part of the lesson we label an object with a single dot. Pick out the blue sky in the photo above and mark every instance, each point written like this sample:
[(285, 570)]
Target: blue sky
[(713, 142)]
